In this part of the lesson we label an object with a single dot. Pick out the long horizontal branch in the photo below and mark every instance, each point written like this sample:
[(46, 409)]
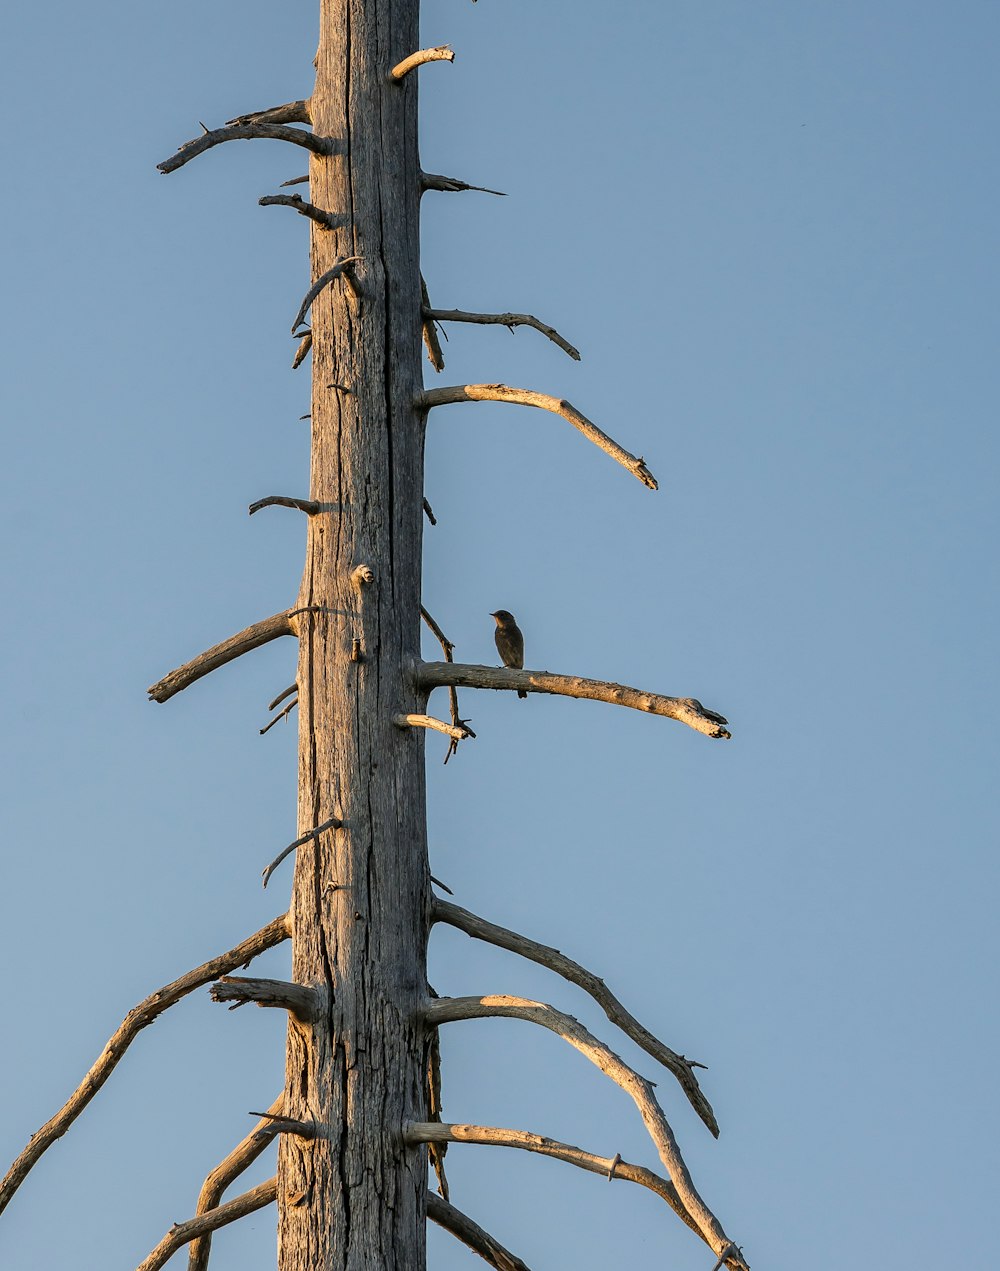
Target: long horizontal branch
[(443, 1010), (231, 1167), (279, 624), (248, 132), (296, 112), (476, 1238), (542, 401), (452, 185), (509, 320), (136, 1020), (686, 710), (183, 1232), (545, 955)]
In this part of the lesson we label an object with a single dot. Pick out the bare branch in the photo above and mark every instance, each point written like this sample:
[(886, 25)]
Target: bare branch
[(248, 132), (181, 1233), (477, 1238), (299, 999), (334, 823), (431, 342), (440, 54), (556, 405), (289, 113), (452, 185), (289, 1125), (286, 692), (447, 647), (443, 1010), (136, 1020), (430, 513), (544, 955), (686, 710), (309, 506), (296, 181), (436, 1150), (328, 220), (509, 320), (280, 716), (457, 732), (318, 286), (305, 344), (239, 1159), (278, 624)]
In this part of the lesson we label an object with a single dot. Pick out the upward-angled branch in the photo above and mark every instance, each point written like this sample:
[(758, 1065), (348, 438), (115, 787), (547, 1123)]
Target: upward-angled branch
[(183, 1232), (686, 710), (544, 955), (471, 1234), (279, 624), (290, 113), (556, 405), (248, 132), (443, 1010), (239, 1159), (509, 320), (440, 54), (134, 1022)]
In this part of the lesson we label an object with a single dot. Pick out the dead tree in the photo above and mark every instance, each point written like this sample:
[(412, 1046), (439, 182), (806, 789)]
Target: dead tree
[(361, 1107)]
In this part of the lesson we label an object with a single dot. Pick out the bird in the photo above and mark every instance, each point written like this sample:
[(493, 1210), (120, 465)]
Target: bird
[(510, 642)]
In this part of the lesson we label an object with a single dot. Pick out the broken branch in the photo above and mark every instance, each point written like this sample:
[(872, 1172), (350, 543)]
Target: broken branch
[(443, 1010), (305, 344), (298, 999), (452, 185), (278, 624), (544, 955), (476, 1238), (457, 732), (431, 342), (279, 717), (556, 405), (136, 1020), (440, 54), (182, 1233), (286, 692), (329, 220), (309, 506), (509, 320), (334, 823), (686, 710), (248, 132), (318, 286), (289, 113)]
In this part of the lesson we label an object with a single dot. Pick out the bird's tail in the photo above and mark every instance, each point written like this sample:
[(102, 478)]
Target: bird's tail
[(521, 693)]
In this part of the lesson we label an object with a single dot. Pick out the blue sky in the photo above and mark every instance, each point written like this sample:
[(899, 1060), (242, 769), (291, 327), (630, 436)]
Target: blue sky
[(770, 229)]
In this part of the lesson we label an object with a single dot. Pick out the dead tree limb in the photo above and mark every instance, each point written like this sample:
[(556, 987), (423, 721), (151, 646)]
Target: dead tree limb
[(289, 113), (452, 185), (305, 339), (239, 1159), (296, 181), (285, 692), (555, 405), (328, 220), (429, 513), (182, 1233), (309, 506), (447, 648), (299, 1000), (339, 268), (544, 955), (334, 823), (279, 624), (476, 1238), (440, 54), (248, 132), (136, 1020), (457, 732), (509, 320), (279, 717), (686, 710), (436, 1151), (431, 342), (443, 1010)]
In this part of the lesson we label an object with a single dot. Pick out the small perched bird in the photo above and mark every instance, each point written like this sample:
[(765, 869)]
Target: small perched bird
[(510, 642)]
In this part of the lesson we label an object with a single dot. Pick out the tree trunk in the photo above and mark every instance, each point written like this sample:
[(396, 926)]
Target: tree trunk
[(360, 906)]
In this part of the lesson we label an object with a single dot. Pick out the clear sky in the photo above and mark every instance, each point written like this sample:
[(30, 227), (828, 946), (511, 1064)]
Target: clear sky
[(771, 229)]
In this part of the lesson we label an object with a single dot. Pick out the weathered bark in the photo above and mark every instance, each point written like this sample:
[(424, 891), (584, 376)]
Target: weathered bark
[(355, 1197)]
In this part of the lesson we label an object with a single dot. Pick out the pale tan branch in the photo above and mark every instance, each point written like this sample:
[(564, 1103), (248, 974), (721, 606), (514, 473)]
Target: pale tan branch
[(334, 823), (457, 732), (278, 624), (289, 113), (305, 344), (248, 132), (544, 955), (338, 269), (328, 220), (239, 1159), (309, 506), (136, 1020), (443, 1010), (452, 185), (182, 1233), (686, 710), (440, 54), (509, 320), (279, 717), (362, 576), (431, 342), (476, 1238), (298, 999), (556, 405), (285, 692)]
